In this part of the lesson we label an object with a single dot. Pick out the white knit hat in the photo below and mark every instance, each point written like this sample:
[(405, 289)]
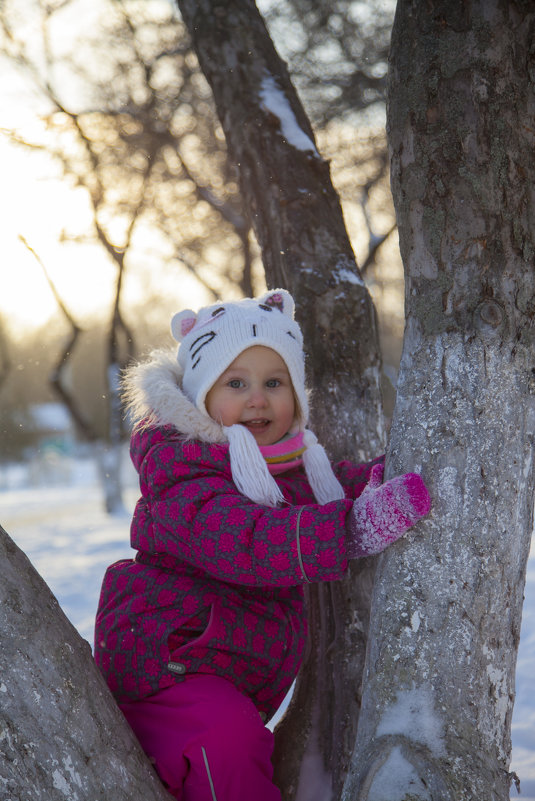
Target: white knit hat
[(210, 340)]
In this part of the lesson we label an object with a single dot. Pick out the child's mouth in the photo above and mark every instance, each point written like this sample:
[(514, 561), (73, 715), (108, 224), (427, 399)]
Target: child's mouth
[(257, 425)]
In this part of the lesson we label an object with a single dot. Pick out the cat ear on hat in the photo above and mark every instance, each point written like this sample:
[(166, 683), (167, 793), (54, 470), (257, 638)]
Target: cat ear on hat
[(279, 299), (182, 323)]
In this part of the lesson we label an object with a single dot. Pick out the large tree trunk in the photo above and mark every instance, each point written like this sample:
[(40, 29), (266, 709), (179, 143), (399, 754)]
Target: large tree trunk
[(298, 222), (444, 632), (62, 735)]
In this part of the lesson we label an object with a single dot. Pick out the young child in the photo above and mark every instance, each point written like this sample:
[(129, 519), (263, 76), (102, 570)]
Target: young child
[(201, 635)]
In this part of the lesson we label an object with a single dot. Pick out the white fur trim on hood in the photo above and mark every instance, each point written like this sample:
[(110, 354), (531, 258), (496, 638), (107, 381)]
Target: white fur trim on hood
[(152, 392)]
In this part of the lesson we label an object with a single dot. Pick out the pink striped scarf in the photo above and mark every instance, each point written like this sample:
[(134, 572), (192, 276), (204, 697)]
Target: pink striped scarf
[(284, 454)]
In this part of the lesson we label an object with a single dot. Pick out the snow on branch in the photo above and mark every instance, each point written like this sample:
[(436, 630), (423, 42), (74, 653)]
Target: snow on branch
[(274, 100)]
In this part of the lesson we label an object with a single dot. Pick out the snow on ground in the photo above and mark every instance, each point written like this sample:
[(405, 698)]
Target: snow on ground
[(62, 527)]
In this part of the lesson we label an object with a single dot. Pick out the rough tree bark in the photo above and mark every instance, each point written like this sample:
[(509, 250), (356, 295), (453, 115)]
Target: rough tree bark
[(299, 225), (445, 624), (62, 735)]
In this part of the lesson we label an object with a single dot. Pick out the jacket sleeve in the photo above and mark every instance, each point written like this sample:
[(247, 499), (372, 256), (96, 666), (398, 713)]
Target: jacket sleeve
[(191, 510), (354, 477)]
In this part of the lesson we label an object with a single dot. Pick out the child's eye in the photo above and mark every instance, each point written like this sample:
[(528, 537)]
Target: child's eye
[(235, 383), (272, 383)]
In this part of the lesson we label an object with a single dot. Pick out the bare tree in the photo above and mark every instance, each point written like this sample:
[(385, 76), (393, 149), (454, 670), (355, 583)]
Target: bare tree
[(83, 426), (445, 626), (299, 225), (127, 135), (62, 735), (337, 53), (337, 56), (305, 246), (253, 65), (128, 144), (109, 456)]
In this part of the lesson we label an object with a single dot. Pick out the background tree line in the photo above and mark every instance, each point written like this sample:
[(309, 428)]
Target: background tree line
[(128, 116)]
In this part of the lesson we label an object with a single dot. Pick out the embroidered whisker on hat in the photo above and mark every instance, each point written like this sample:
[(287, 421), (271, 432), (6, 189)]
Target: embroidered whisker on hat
[(210, 341)]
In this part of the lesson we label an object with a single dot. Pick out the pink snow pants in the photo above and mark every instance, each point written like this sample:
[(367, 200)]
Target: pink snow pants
[(206, 741)]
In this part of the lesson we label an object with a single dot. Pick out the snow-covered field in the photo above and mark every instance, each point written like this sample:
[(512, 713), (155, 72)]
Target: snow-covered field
[(61, 525)]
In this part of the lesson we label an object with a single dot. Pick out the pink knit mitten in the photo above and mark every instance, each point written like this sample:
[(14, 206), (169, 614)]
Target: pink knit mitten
[(384, 512)]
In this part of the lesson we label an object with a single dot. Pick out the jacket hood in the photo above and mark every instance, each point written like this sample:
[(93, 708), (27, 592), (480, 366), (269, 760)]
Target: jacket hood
[(152, 393)]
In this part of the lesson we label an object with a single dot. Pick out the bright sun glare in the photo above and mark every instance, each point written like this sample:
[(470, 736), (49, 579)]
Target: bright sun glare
[(37, 206)]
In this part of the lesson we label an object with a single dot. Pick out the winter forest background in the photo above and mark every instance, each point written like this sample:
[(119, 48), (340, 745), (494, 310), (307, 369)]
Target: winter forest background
[(120, 209)]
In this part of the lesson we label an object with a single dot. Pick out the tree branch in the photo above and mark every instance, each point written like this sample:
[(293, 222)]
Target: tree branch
[(83, 426)]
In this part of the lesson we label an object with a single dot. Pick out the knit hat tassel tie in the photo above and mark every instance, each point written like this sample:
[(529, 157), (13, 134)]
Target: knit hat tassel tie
[(249, 468), (253, 479), (321, 478)]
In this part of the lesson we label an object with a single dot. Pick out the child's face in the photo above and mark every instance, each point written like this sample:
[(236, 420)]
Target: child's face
[(256, 391)]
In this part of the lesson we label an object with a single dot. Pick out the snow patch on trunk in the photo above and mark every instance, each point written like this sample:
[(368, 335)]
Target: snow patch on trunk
[(413, 715), (275, 101), (395, 779), (342, 274)]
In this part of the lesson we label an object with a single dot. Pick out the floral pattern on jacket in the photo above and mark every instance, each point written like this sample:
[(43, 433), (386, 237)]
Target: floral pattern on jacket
[(216, 584)]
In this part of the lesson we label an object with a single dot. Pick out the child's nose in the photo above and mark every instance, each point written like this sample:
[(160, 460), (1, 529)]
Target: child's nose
[(257, 398)]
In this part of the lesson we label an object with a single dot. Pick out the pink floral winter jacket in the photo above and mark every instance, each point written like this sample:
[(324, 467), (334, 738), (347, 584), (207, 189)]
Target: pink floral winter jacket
[(216, 584)]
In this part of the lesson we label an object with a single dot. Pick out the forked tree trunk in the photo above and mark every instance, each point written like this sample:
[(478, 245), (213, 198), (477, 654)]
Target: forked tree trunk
[(62, 735), (445, 625), (61, 732), (299, 225)]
